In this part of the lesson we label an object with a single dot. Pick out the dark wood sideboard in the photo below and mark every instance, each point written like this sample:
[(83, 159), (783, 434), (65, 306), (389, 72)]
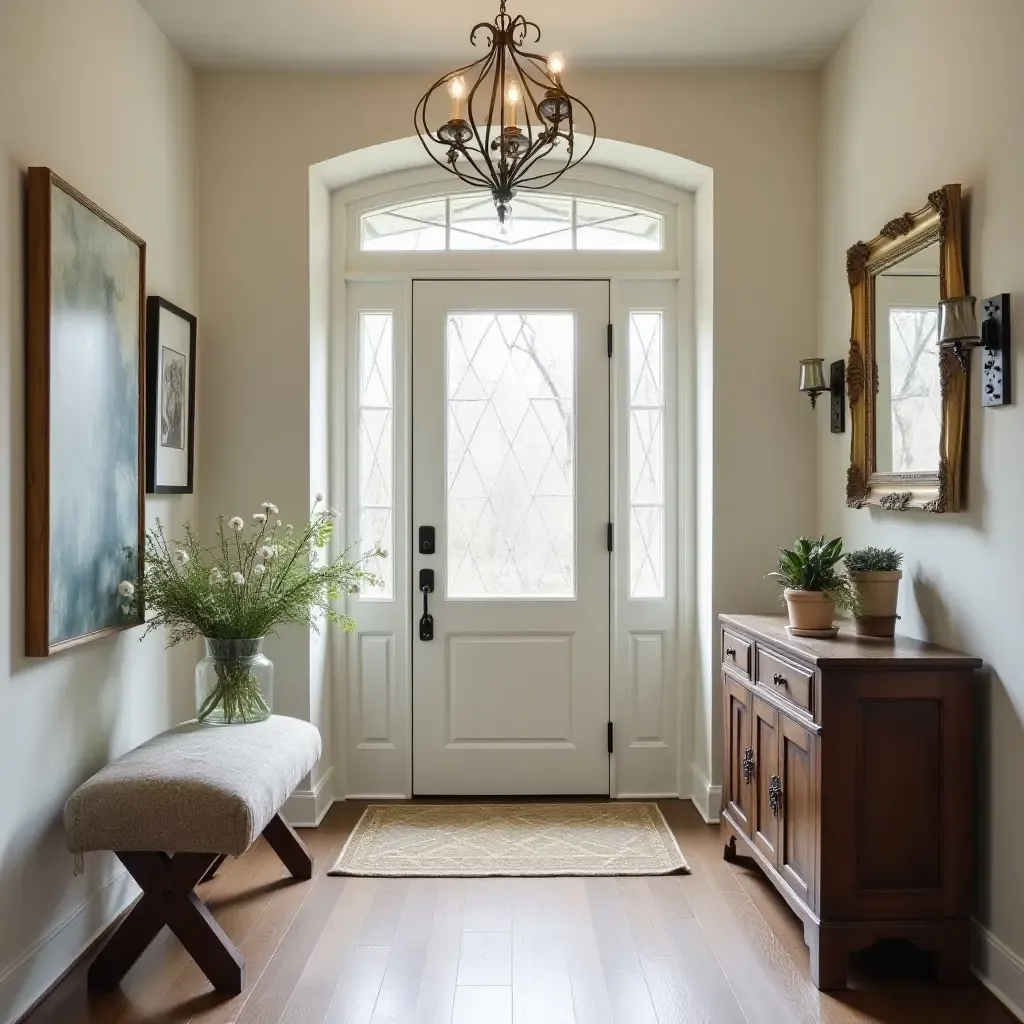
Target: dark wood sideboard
[(849, 779)]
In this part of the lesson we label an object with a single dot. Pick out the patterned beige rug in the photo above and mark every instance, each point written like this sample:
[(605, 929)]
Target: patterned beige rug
[(510, 840)]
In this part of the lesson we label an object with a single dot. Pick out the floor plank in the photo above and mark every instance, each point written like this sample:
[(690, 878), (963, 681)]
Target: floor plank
[(718, 946)]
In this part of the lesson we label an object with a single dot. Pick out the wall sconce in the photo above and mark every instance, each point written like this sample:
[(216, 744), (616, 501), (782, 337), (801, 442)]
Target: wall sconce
[(959, 330), (812, 382)]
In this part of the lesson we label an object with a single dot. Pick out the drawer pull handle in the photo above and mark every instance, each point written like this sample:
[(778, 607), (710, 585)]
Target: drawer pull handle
[(730, 652), (775, 794), (748, 764), (779, 679)]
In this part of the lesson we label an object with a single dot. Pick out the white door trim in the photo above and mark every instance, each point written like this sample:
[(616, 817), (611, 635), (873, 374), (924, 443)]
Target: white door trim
[(367, 768)]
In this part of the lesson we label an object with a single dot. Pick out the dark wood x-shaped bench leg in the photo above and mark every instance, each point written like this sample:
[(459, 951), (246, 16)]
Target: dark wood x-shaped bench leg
[(167, 884)]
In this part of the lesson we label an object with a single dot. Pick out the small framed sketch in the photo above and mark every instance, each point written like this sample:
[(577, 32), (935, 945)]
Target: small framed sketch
[(170, 397), (85, 373)]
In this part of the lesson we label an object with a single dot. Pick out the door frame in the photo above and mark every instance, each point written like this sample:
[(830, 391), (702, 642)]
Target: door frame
[(380, 767)]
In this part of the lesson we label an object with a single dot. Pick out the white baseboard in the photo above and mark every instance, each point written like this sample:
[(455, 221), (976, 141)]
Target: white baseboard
[(29, 977), (378, 797), (706, 798), (998, 968), (306, 808), (647, 796)]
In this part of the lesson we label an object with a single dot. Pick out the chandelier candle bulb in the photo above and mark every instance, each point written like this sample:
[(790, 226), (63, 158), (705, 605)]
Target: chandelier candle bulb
[(457, 89), (556, 65), (513, 102)]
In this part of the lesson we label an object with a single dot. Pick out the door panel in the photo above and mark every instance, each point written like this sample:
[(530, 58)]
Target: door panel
[(738, 786), (764, 821), (799, 825), (510, 400)]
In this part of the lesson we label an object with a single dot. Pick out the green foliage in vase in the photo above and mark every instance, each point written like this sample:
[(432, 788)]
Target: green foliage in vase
[(249, 582), (813, 565), (874, 560)]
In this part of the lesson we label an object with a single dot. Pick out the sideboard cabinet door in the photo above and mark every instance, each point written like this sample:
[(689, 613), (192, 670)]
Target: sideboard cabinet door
[(766, 808), (798, 831), (739, 757)]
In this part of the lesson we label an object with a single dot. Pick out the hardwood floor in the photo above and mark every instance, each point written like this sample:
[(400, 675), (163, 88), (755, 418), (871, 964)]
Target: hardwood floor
[(715, 947)]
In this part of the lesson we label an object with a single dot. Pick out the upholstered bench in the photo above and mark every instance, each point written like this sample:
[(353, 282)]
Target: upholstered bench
[(172, 810)]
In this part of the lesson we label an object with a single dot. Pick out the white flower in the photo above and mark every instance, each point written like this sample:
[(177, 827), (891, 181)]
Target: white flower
[(318, 497), (258, 570), (236, 523), (180, 558), (126, 589), (271, 507), (216, 576), (289, 528), (126, 609), (333, 513), (267, 552), (279, 522), (237, 577), (260, 517)]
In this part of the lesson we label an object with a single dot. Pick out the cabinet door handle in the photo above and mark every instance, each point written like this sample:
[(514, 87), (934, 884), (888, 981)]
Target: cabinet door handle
[(748, 764), (779, 679), (730, 652), (775, 794)]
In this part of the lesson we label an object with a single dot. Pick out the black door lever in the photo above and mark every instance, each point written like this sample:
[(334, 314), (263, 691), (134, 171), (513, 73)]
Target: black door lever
[(426, 620)]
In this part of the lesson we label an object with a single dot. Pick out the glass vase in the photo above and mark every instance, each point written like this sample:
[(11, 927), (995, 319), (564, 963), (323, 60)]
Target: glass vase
[(234, 682)]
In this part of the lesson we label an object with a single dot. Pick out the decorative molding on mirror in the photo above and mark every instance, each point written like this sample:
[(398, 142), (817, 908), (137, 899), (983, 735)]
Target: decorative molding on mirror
[(899, 226), (940, 490)]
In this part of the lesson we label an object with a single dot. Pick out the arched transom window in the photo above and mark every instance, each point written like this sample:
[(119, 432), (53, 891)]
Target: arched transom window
[(539, 221)]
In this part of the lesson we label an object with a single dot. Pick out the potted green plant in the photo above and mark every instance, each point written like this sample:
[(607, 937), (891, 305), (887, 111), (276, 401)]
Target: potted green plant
[(235, 592), (815, 585), (875, 574)]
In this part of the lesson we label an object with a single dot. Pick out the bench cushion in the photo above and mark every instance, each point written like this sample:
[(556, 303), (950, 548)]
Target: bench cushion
[(193, 789)]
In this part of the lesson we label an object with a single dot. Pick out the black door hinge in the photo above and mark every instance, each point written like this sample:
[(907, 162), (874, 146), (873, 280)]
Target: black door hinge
[(611, 738), (611, 536), (609, 341)]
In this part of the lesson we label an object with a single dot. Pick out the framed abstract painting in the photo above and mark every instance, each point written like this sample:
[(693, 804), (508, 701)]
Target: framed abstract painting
[(85, 379), (170, 397)]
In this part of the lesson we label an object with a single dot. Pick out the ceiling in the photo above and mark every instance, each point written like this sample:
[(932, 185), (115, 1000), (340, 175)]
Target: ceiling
[(396, 34)]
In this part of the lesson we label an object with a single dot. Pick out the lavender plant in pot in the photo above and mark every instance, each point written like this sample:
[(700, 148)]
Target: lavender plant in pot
[(875, 575), (235, 592), (815, 585)]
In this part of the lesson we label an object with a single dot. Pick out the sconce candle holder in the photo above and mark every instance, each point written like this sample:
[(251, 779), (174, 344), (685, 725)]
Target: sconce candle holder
[(812, 383), (959, 330)]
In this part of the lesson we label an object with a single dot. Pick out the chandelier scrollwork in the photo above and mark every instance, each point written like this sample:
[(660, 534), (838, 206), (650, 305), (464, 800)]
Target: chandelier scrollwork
[(485, 141)]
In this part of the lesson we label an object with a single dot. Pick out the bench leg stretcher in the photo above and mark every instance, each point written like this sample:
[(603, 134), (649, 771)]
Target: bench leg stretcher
[(168, 898)]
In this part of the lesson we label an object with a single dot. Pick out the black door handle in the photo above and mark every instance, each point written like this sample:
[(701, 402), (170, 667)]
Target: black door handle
[(426, 620)]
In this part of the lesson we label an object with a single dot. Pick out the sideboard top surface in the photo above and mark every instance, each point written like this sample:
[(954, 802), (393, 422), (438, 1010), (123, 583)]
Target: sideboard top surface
[(847, 649)]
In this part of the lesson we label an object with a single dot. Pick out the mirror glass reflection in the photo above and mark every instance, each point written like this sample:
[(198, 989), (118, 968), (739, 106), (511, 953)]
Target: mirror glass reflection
[(908, 411)]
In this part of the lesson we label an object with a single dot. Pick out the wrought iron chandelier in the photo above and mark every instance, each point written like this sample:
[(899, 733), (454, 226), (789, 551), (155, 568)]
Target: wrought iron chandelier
[(484, 140)]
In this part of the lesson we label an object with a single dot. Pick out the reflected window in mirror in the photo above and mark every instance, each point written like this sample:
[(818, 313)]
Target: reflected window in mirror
[(909, 404)]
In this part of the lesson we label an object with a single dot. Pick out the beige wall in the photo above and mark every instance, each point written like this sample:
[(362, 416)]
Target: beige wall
[(259, 134), (92, 89), (926, 92)]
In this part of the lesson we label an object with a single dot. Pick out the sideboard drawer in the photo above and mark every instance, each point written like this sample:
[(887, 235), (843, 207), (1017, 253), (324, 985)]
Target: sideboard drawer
[(736, 652), (791, 683)]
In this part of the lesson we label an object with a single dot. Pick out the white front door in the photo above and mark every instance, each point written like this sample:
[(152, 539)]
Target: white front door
[(510, 453)]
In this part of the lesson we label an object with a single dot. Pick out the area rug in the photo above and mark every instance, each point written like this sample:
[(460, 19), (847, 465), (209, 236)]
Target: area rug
[(510, 840)]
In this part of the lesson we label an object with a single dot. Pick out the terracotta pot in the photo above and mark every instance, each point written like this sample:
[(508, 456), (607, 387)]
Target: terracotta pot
[(810, 609), (877, 596)]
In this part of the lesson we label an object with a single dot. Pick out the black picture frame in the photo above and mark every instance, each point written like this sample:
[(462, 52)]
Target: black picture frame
[(155, 306)]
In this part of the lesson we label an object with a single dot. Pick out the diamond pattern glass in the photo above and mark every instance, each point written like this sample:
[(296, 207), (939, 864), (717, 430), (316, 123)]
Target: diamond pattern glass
[(609, 226), (419, 226), (539, 221), (916, 389), (646, 455), (376, 445), (511, 455)]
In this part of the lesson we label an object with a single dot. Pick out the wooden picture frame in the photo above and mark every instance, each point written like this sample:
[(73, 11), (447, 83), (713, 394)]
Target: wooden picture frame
[(84, 416), (170, 377), (940, 491)]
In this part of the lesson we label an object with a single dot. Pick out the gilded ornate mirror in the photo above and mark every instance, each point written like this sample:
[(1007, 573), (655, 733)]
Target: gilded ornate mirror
[(908, 398)]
